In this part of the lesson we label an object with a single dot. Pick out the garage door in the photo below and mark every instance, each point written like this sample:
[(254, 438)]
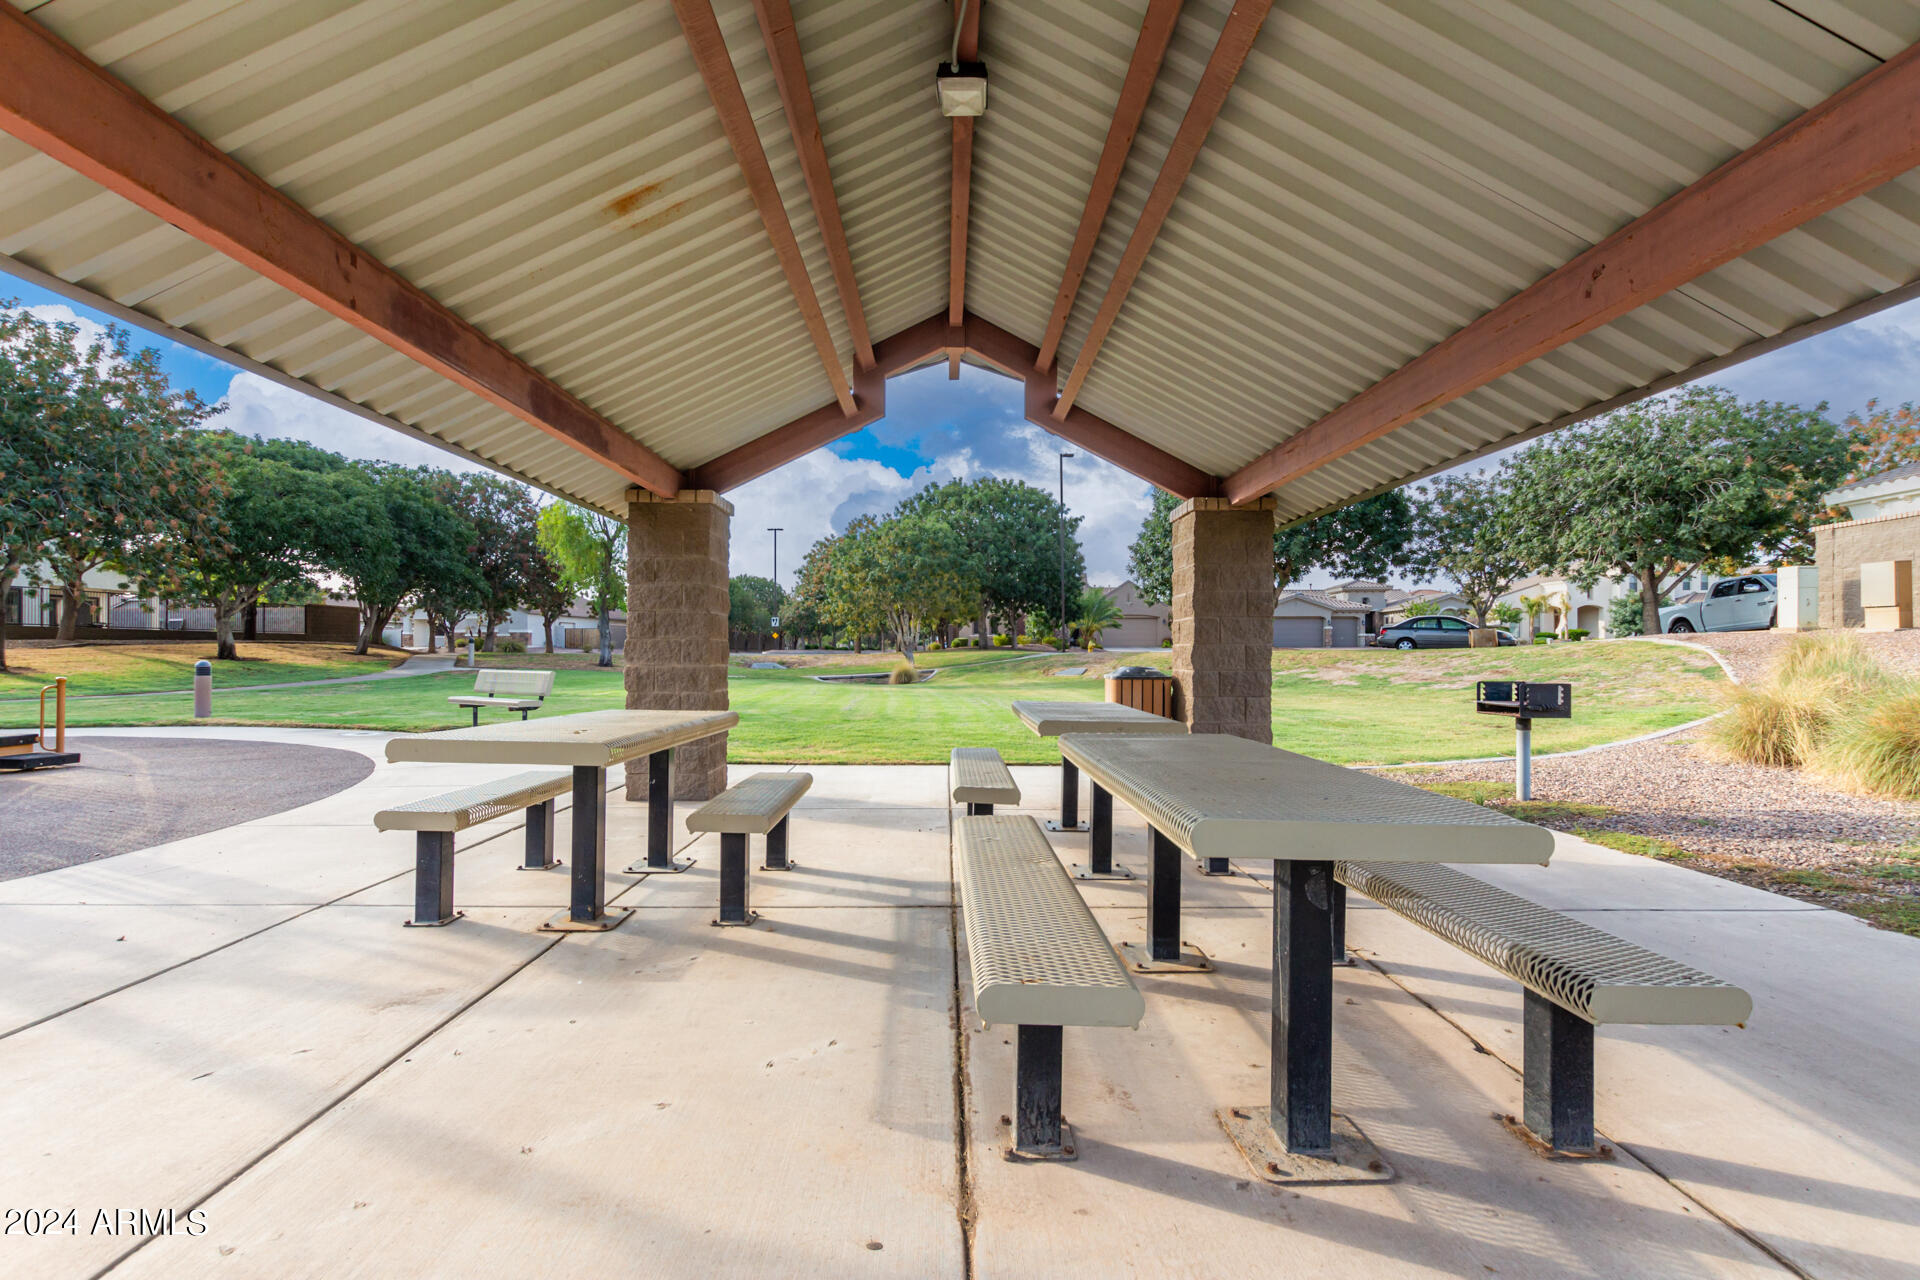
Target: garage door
[(1346, 633), (1296, 633)]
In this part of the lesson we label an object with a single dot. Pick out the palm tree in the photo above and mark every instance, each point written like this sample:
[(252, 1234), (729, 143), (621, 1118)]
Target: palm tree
[(1095, 612)]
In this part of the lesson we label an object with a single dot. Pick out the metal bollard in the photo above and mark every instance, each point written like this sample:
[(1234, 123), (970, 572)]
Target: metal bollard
[(202, 689), (1523, 758)]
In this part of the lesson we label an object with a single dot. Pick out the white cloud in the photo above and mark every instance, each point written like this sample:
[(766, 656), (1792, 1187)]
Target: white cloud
[(257, 406)]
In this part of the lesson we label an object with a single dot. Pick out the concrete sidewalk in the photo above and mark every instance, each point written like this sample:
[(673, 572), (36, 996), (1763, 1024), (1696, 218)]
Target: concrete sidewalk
[(417, 665), (237, 1023)]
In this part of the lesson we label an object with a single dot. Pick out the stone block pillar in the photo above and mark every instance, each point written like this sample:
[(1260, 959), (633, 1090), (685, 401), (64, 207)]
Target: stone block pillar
[(677, 626), (1223, 617)]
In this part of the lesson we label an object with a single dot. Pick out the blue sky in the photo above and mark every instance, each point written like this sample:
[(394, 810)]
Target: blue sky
[(936, 430)]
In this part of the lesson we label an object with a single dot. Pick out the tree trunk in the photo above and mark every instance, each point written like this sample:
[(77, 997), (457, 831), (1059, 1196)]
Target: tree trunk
[(547, 623), (373, 621), (7, 570), (224, 611), (606, 635), (71, 593), (1649, 599), (487, 641)]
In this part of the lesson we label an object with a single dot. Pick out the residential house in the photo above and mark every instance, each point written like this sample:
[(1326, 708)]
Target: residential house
[(1435, 600), (1883, 523), (1310, 619), (106, 592), (1142, 625)]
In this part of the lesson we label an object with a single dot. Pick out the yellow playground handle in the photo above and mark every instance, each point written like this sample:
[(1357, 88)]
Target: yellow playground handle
[(59, 687)]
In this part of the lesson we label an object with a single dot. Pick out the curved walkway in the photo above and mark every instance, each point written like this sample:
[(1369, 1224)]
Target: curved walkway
[(130, 793), (414, 666)]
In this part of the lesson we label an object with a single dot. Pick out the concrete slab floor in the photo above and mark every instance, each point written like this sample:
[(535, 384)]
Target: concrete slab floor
[(341, 1096)]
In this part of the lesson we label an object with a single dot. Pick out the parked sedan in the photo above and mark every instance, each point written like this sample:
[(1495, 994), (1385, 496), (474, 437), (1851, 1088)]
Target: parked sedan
[(1431, 632), (1733, 604)]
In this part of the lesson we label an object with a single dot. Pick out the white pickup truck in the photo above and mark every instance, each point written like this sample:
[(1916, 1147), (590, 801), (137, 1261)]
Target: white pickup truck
[(1731, 604)]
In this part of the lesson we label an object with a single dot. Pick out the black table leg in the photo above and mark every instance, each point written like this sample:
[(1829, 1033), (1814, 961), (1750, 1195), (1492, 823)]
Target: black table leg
[(1099, 864), (1301, 1090), (540, 845), (1164, 952), (589, 845), (659, 859), (777, 859), (1069, 798)]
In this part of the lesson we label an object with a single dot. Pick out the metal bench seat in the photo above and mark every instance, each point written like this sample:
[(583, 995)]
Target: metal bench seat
[(1575, 977), (521, 691), (1039, 960), (435, 820), (980, 779), (758, 805)]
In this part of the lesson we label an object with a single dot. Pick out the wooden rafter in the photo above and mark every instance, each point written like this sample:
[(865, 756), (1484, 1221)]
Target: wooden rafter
[(796, 97), (967, 14), (1862, 136), (54, 98), (1223, 67), (924, 343), (1143, 70), (723, 86)]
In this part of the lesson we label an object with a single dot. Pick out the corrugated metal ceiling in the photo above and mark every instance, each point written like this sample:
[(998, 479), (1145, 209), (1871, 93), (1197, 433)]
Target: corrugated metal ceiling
[(1382, 174)]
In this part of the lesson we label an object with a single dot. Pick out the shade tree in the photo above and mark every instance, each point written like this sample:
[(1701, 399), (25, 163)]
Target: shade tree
[(587, 545)]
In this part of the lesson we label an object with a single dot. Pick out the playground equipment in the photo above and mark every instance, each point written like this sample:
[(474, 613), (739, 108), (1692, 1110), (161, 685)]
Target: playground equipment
[(20, 749)]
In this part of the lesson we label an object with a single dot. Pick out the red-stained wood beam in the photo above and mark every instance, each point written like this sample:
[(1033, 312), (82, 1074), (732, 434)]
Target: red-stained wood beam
[(1149, 49), (723, 86), (1862, 136), (916, 346), (796, 96), (53, 98), (924, 343), (1223, 67), (967, 15)]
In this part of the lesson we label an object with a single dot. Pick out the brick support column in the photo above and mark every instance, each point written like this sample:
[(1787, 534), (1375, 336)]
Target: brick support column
[(677, 626), (1223, 617)]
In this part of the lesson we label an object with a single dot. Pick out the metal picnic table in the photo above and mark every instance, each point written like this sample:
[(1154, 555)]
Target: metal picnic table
[(1226, 797), (589, 742), (1050, 720)]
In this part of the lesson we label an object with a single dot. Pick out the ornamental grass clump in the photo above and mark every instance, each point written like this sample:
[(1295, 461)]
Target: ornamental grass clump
[(902, 673), (1878, 750), (1819, 683)]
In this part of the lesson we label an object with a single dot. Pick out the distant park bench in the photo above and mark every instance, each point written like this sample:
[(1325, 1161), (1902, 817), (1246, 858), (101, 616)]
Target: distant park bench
[(521, 691)]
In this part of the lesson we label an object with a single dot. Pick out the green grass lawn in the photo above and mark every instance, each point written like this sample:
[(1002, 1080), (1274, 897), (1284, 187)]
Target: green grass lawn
[(1348, 706), (117, 667)]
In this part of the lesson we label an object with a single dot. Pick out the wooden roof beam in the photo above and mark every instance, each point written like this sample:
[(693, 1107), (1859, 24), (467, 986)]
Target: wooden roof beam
[(967, 14), (796, 96), (924, 343), (1862, 136), (1209, 96), (53, 98), (723, 86), (1149, 49)]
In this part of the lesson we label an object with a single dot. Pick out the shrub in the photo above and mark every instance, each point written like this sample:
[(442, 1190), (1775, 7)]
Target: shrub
[(1818, 681), (1166, 644), (1623, 615), (1578, 633), (511, 646), (1878, 751), (1023, 638), (902, 673), (999, 642), (1541, 640)]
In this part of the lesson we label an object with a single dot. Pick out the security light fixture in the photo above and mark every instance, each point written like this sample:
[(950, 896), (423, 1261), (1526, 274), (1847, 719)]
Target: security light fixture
[(962, 88)]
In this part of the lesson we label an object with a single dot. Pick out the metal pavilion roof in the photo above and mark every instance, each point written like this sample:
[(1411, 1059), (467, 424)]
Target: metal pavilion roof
[(559, 177)]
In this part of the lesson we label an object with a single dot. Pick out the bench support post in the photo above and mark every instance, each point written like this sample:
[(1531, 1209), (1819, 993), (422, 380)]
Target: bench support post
[(1069, 798), (433, 878), (1301, 1087), (540, 847), (476, 716), (659, 810), (1163, 899), (1038, 1129), (1340, 956), (777, 859), (733, 879), (1558, 1076)]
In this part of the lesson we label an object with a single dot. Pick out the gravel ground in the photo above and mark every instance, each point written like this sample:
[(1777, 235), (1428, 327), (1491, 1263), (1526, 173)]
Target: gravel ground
[(1750, 653)]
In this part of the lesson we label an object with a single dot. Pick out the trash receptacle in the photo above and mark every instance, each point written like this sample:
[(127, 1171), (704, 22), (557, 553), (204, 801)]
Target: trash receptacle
[(1142, 688)]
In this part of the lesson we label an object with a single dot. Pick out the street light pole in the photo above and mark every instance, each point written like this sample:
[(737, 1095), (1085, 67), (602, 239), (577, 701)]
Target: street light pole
[(1062, 523), (776, 564)]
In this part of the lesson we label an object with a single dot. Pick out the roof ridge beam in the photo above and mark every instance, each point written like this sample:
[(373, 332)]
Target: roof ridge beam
[(1861, 137), (1143, 72), (715, 63), (966, 16), (796, 97), (1229, 54), (924, 343), (54, 98)]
